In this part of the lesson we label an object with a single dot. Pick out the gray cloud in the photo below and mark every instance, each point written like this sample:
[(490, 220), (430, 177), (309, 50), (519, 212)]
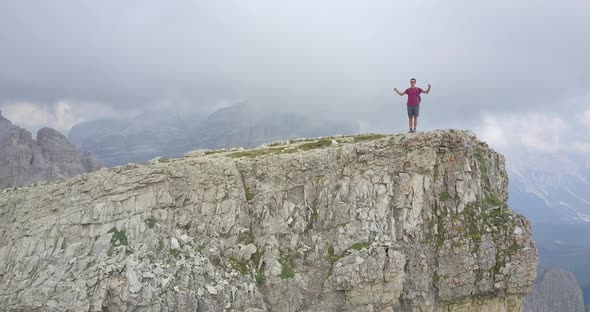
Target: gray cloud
[(341, 58)]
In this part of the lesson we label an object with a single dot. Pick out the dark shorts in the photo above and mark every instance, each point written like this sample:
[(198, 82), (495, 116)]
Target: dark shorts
[(413, 111)]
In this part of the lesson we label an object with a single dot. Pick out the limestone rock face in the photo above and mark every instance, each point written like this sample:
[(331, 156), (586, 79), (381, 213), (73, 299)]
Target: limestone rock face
[(24, 160), (411, 222), (555, 290)]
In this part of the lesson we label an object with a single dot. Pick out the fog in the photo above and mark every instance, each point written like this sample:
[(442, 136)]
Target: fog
[(78, 60)]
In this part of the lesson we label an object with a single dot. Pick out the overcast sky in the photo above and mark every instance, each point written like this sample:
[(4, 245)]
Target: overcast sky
[(515, 72)]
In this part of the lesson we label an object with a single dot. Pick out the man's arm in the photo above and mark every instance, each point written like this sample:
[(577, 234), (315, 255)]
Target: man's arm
[(427, 90), (400, 93)]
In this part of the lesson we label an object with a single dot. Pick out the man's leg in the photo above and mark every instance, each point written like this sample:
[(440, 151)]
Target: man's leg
[(416, 114), (410, 115)]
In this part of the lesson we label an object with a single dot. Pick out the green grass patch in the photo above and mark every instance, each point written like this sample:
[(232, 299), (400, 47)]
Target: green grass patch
[(503, 255), (301, 140), (444, 196), (471, 223), (286, 149), (514, 248), (241, 266), (359, 246), (163, 160), (479, 275), (500, 263), (260, 278), (261, 152), (493, 200), (256, 257), (175, 252), (332, 258), (251, 153), (246, 238), (119, 237), (435, 278), (151, 222), (500, 218), (249, 195), (440, 236), (313, 217), (280, 143), (367, 137), (479, 155), (313, 145), (288, 267)]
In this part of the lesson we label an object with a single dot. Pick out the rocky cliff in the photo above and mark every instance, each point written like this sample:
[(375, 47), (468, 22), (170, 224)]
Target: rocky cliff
[(410, 222), (24, 160)]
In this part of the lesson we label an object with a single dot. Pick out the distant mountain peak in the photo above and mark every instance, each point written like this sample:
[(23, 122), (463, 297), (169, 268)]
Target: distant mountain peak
[(554, 290), (24, 160)]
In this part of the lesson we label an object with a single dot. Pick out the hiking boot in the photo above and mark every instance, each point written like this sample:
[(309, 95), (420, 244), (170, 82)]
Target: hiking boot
[(411, 131)]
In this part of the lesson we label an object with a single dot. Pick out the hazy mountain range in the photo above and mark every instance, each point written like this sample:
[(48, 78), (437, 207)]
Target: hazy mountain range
[(551, 188), (170, 134), (553, 191)]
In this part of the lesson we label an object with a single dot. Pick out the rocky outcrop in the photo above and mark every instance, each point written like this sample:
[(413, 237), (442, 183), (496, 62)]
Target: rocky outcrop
[(412, 222), (24, 160), (555, 290)]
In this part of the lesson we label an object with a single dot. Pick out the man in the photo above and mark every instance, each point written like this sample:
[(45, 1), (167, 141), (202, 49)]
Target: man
[(413, 93)]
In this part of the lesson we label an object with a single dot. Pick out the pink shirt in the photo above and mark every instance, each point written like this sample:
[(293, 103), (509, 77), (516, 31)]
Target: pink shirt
[(414, 96)]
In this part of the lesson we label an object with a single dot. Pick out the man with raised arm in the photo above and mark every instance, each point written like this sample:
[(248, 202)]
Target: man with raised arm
[(414, 99)]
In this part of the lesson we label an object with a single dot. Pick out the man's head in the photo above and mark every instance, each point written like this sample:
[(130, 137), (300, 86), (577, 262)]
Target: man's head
[(413, 82)]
